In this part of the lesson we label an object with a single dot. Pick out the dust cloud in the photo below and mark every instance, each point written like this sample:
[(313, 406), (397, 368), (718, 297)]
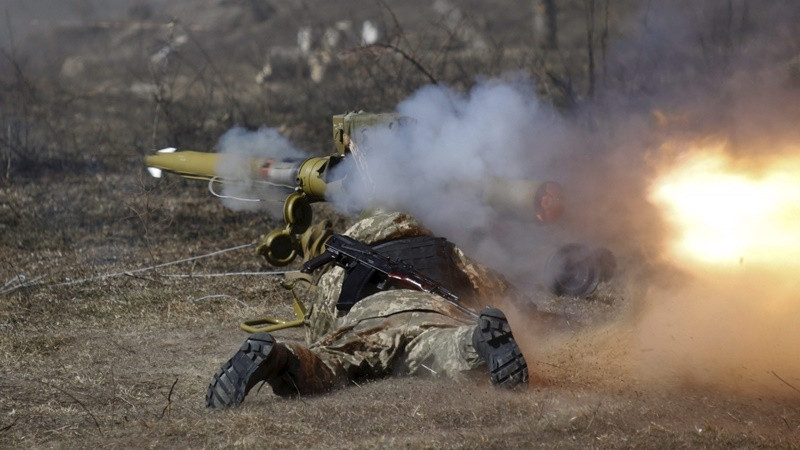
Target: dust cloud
[(729, 320), (723, 328), (720, 318)]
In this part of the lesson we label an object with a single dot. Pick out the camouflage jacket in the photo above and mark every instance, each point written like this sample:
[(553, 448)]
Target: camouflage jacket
[(322, 316)]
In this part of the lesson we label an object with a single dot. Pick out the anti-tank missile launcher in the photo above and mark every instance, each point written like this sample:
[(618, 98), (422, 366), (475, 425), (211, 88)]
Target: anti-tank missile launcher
[(304, 175), (308, 180)]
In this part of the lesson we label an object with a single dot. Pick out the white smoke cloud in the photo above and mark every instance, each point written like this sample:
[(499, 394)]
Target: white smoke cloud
[(441, 166), (239, 147)]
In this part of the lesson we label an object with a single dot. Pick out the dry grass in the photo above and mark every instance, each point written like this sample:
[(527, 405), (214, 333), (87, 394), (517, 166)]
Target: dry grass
[(124, 361)]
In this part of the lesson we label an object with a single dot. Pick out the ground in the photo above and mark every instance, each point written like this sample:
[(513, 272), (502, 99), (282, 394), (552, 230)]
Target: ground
[(94, 352)]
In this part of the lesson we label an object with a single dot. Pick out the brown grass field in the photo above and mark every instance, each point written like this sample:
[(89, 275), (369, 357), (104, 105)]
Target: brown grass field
[(96, 353)]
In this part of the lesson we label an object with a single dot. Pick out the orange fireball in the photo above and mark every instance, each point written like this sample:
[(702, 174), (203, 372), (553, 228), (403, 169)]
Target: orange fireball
[(726, 211)]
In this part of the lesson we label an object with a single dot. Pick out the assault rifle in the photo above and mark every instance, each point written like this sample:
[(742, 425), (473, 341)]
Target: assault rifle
[(361, 262)]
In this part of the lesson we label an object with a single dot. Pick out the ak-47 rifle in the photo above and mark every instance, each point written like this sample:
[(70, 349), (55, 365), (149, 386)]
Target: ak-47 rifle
[(362, 262)]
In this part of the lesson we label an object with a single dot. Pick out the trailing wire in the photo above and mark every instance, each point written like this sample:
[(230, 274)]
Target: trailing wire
[(23, 283), (242, 199), (145, 269), (215, 194), (195, 300), (18, 281), (228, 274)]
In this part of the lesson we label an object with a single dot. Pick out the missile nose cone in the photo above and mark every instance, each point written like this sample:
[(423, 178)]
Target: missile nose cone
[(189, 164)]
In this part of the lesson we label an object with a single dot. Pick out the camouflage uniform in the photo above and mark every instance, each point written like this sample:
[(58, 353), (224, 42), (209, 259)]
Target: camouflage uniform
[(393, 332), (399, 332), (322, 315)]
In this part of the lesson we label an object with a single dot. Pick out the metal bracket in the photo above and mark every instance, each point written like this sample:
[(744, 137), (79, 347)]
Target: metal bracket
[(257, 325)]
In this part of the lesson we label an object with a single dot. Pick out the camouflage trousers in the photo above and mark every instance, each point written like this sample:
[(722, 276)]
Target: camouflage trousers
[(399, 332), (395, 332)]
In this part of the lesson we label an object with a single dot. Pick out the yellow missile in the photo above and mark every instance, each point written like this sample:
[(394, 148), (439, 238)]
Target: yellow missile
[(188, 164), (308, 175)]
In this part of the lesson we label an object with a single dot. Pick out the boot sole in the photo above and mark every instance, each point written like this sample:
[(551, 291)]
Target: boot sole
[(250, 365), (495, 343)]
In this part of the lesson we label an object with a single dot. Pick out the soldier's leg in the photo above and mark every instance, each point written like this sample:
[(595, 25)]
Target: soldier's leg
[(291, 369), (415, 333), (405, 335), (441, 352), (379, 346), (454, 351)]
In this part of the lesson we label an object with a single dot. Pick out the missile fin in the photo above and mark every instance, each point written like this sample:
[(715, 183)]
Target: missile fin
[(154, 171)]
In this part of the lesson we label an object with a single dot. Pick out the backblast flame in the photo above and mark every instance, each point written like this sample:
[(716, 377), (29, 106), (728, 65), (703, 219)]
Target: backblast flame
[(728, 212)]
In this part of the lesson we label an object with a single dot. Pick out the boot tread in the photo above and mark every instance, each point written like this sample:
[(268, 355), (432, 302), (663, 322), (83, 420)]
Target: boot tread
[(495, 343), (250, 365)]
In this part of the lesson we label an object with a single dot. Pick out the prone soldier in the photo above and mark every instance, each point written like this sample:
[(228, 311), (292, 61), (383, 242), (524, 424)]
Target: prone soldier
[(389, 331), (382, 328)]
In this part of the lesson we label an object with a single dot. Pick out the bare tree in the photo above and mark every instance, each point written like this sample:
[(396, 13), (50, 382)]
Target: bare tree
[(590, 13), (545, 23)]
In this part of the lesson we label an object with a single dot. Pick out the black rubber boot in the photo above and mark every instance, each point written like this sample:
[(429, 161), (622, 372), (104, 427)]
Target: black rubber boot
[(259, 359), (496, 345)]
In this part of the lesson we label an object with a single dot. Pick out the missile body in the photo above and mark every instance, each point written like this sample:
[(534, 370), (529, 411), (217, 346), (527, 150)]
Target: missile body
[(309, 175), (189, 164), (540, 201)]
